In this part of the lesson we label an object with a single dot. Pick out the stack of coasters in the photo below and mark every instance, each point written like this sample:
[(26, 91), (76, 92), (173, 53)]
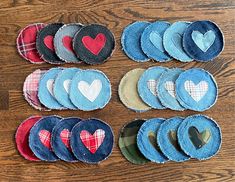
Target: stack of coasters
[(161, 41)]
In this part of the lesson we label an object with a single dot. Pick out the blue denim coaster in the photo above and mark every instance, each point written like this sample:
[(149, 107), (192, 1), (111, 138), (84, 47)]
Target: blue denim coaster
[(147, 86), (40, 138), (167, 140), (152, 41), (166, 89), (130, 41), (200, 137), (203, 40), (60, 138), (196, 89), (173, 41), (147, 140)]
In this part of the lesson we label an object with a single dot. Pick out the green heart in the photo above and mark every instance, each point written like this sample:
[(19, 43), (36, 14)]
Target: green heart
[(199, 139), (173, 139), (153, 140)]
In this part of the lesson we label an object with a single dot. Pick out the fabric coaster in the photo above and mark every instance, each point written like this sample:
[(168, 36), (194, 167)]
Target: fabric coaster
[(45, 43), (173, 41), (152, 43), (90, 90), (127, 91), (60, 139), (130, 41), (92, 141), (40, 138), (167, 140), (22, 138), (196, 89), (128, 143), (61, 87), (147, 86), (94, 44), (63, 42), (203, 40), (166, 89), (200, 137), (147, 140)]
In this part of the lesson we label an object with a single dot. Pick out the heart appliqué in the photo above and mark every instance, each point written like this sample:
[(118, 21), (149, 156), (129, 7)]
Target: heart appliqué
[(170, 87), (66, 85), (173, 139), (45, 138), (65, 138), (50, 84), (198, 91), (153, 140), (94, 45), (156, 40), (199, 139), (177, 41), (92, 142), (49, 42), (67, 42), (152, 84)]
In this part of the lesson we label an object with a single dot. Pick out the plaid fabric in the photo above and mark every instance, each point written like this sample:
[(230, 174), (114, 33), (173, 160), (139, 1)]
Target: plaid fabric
[(65, 138), (170, 87), (45, 138), (152, 86)]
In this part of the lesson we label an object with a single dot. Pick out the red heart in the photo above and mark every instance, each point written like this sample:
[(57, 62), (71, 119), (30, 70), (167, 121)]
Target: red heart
[(65, 138), (48, 41), (45, 137), (92, 142), (94, 45), (67, 42)]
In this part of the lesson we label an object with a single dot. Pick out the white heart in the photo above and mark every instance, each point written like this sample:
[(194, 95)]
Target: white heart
[(152, 86), (50, 84), (196, 91), (66, 85), (170, 87), (91, 91)]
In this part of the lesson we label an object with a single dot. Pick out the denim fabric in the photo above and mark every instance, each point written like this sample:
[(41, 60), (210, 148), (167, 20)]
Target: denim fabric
[(202, 123)]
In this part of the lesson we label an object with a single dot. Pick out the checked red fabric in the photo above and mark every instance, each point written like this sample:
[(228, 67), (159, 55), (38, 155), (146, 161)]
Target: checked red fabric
[(65, 137), (45, 138)]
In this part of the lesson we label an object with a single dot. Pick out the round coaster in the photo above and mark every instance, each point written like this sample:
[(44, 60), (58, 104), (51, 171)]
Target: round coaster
[(173, 41), (166, 89), (63, 42), (167, 140), (45, 89), (94, 44), (26, 43), (130, 41), (128, 93), (147, 140), (152, 43), (45, 43), (196, 89), (61, 87), (22, 138), (203, 40), (92, 141), (60, 139), (40, 138), (147, 86), (128, 143), (200, 137)]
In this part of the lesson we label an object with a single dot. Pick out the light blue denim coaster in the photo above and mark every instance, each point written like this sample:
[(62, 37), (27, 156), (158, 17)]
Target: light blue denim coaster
[(196, 89), (152, 41), (166, 89), (167, 140), (173, 41), (130, 41), (200, 137), (147, 140), (147, 86), (62, 87), (45, 89), (90, 90)]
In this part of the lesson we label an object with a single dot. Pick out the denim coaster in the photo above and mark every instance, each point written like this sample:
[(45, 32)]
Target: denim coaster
[(92, 141), (40, 138), (200, 137), (128, 93), (22, 138), (60, 139), (196, 89), (167, 140), (130, 41), (90, 90), (152, 41), (173, 41), (63, 42), (147, 86), (61, 87), (166, 89), (147, 140), (203, 40), (128, 142)]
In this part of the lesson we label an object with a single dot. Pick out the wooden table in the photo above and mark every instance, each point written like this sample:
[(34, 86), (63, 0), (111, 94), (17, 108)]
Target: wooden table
[(116, 14)]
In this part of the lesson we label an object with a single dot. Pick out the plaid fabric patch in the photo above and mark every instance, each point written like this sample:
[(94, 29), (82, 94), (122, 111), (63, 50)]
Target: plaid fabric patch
[(65, 138), (152, 86), (45, 138), (170, 87)]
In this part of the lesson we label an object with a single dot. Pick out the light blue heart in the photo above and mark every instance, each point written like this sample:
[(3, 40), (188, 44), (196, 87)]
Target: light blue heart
[(156, 40), (177, 41)]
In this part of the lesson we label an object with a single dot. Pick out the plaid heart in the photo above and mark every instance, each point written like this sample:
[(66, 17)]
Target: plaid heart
[(65, 138), (45, 138)]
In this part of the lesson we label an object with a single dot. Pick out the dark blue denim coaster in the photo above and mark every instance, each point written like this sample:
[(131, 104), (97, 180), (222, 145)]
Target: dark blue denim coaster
[(199, 136), (203, 40), (40, 137)]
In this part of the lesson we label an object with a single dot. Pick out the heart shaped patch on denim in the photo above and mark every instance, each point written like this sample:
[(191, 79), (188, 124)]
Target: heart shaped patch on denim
[(170, 87), (66, 85), (67, 42), (152, 86), (65, 138), (153, 140), (50, 83), (48, 41), (156, 40), (173, 139), (45, 138)]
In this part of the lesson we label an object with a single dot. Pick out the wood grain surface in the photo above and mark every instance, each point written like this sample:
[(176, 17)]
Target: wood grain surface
[(115, 14)]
